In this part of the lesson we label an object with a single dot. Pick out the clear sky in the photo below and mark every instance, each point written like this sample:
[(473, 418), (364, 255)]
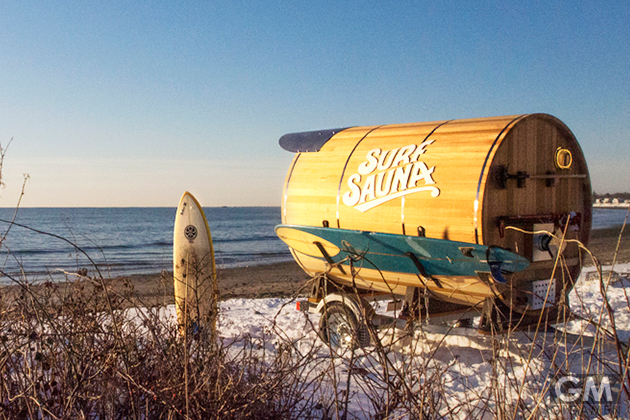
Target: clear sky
[(122, 103)]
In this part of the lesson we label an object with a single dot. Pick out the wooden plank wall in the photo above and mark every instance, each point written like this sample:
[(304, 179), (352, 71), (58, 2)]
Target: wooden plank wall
[(458, 153)]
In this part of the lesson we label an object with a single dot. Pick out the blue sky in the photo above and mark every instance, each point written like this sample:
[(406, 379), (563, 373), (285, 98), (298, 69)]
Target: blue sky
[(122, 103)]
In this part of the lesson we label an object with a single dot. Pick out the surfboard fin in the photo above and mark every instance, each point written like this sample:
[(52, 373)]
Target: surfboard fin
[(495, 271)]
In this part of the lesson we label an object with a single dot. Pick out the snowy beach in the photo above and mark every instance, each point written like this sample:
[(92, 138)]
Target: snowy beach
[(476, 376), (450, 374)]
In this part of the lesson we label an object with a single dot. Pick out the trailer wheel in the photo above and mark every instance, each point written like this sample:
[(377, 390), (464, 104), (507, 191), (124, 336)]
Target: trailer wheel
[(340, 329)]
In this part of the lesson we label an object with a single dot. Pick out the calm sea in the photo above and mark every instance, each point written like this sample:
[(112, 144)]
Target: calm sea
[(126, 241)]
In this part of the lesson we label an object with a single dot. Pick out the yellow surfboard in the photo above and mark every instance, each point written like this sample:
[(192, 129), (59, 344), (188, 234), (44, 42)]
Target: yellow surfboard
[(194, 268)]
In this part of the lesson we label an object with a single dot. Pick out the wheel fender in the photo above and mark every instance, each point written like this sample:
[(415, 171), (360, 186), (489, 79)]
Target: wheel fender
[(349, 301)]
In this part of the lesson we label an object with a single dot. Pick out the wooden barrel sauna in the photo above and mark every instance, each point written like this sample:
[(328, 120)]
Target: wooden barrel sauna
[(488, 181)]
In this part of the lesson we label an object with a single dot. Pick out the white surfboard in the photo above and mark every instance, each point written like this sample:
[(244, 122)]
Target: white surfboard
[(194, 268)]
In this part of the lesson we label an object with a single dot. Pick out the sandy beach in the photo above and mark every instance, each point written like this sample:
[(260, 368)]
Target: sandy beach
[(603, 243), (287, 279), (258, 281)]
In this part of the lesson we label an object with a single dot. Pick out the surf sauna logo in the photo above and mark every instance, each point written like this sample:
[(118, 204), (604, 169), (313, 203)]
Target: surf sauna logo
[(389, 174)]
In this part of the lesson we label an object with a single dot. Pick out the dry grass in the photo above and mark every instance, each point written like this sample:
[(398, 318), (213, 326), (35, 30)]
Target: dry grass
[(84, 354), (71, 356)]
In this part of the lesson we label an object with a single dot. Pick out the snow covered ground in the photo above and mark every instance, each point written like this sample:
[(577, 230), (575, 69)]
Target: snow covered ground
[(464, 377), (587, 300)]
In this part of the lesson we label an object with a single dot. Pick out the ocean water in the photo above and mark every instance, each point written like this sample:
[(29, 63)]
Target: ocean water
[(608, 218), (124, 241)]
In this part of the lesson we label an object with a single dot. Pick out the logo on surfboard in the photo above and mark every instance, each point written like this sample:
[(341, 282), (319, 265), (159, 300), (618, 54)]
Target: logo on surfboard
[(389, 174), (190, 232)]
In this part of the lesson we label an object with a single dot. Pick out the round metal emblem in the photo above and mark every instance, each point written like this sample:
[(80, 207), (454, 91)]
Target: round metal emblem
[(190, 232), (564, 158)]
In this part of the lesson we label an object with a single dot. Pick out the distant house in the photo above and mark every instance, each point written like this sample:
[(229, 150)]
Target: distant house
[(611, 202)]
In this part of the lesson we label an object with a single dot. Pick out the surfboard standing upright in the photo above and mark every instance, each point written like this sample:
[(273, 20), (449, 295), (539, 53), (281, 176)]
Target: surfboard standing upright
[(194, 268)]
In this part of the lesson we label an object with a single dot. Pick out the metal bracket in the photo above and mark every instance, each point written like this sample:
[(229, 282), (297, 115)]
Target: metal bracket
[(503, 176), (421, 269), (550, 177), (327, 257)]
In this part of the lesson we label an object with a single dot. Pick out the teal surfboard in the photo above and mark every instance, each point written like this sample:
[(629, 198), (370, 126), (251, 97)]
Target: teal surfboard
[(401, 253)]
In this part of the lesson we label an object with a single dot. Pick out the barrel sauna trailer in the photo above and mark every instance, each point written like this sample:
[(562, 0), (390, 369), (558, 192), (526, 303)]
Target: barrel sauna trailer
[(446, 215)]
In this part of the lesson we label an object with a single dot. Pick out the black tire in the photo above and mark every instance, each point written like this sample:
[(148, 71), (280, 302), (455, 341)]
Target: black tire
[(339, 328)]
